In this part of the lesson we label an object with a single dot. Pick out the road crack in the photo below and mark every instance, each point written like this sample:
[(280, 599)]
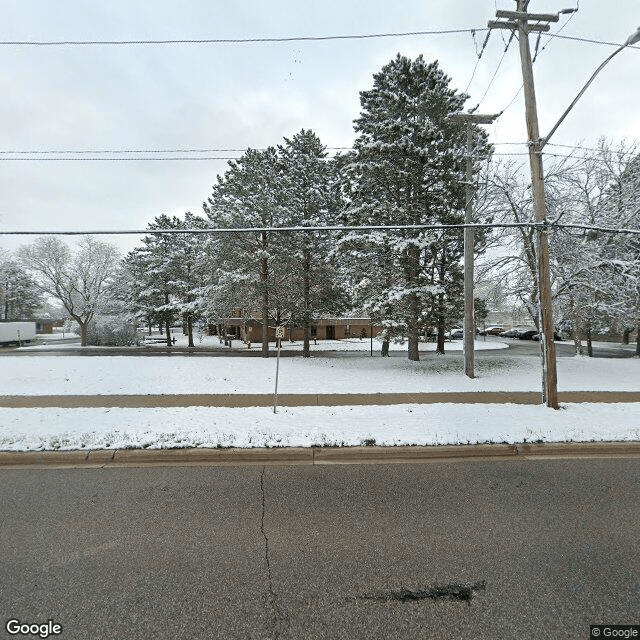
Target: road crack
[(278, 616)]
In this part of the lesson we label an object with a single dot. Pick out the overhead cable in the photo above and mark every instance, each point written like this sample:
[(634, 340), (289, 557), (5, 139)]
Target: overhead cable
[(542, 226), (355, 36)]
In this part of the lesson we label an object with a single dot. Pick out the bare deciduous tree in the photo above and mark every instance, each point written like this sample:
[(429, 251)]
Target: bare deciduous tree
[(79, 279)]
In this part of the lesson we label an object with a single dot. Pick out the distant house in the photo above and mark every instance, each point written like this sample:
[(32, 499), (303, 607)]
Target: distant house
[(44, 325), (331, 328)]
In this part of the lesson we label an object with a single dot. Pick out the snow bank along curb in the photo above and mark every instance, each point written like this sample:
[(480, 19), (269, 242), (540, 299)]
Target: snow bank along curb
[(308, 399), (314, 455)]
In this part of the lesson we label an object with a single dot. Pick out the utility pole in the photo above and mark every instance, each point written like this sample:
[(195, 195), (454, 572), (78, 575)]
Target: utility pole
[(519, 20), (469, 326)]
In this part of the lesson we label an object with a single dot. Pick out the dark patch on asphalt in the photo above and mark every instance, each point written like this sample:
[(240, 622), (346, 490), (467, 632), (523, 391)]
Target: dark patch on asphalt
[(460, 592)]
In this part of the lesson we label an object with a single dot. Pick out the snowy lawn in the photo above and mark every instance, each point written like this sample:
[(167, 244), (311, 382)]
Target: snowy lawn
[(56, 336), (50, 429), (55, 428), (44, 375), (347, 344)]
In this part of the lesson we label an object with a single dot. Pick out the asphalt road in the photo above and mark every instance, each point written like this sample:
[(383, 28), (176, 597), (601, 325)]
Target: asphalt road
[(544, 548)]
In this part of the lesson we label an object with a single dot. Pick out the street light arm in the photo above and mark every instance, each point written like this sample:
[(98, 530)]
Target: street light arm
[(544, 140)]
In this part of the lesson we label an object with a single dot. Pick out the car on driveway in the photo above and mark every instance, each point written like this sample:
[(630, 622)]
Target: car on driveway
[(527, 334), (510, 333), (556, 337), (492, 330)]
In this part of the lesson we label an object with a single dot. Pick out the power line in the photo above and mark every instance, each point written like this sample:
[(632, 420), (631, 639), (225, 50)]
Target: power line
[(24, 156), (479, 55), (160, 151), (551, 37), (137, 159), (118, 151), (218, 158), (543, 226), (495, 73), (403, 34), (577, 146), (572, 15), (592, 41)]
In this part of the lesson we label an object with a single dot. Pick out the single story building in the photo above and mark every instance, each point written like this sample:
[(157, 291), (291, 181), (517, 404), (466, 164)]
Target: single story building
[(330, 328)]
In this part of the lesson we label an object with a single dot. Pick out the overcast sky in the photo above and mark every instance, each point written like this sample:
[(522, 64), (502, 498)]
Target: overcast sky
[(240, 95)]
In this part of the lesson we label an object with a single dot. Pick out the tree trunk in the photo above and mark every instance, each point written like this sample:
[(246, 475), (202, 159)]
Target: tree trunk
[(575, 328), (625, 335), (588, 332), (84, 333), (638, 338), (149, 326), (190, 329), (441, 328), (412, 328), (264, 277), (306, 265), (413, 303), (160, 326)]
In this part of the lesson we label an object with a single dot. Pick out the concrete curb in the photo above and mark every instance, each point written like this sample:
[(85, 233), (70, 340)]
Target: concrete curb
[(314, 455), (306, 399)]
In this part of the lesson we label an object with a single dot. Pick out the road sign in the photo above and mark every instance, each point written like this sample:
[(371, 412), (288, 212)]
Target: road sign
[(280, 332)]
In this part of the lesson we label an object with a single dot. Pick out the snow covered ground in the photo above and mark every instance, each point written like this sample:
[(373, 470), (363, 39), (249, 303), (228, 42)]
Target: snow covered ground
[(55, 428), (348, 344), (38, 429), (44, 375), (57, 335)]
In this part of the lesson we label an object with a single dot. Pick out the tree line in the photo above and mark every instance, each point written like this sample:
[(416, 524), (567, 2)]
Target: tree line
[(407, 167)]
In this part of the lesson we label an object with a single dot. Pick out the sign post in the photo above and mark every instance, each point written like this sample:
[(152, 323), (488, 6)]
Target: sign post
[(279, 336)]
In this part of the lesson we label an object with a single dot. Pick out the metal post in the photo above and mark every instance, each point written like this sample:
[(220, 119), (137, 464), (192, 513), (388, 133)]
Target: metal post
[(275, 394)]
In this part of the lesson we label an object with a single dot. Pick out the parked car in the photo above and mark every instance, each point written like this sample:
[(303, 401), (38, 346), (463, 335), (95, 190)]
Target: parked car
[(528, 334), (510, 333), (556, 337), (492, 330), (457, 333)]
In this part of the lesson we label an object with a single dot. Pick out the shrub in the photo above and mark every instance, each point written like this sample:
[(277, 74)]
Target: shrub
[(112, 332)]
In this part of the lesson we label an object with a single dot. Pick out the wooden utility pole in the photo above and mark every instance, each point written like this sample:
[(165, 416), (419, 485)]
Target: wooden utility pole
[(469, 326), (519, 20)]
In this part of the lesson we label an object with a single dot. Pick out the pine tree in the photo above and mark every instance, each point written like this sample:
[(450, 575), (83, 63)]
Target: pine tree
[(247, 197), (309, 197), (19, 295), (167, 274), (408, 169)]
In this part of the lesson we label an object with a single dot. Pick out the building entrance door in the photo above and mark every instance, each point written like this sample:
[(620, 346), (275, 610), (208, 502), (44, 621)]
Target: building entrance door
[(331, 333)]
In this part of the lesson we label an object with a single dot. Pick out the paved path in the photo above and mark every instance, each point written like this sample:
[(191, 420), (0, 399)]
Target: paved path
[(512, 550), (308, 399)]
